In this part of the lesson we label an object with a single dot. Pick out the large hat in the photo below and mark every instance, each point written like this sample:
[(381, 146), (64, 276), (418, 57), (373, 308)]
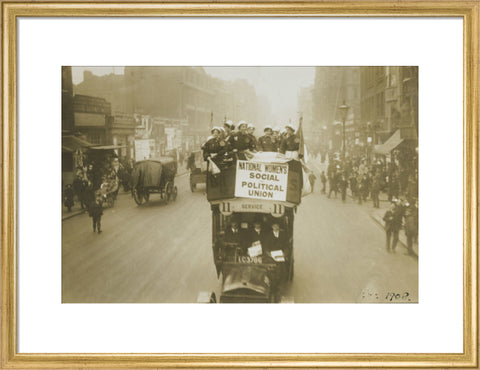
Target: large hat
[(241, 123), (288, 125), (251, 125), (268, 127), (215, 129), (276, 129), (229, 124)]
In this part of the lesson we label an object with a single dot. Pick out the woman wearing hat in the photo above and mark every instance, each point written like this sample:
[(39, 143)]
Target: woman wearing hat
[(240, 140), (291, 143), (212, 145), (250, 131), (267, 142)]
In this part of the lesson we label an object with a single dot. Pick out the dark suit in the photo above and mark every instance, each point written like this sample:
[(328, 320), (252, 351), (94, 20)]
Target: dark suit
[(95, 211), (273, 243), (254, 236), (235, 237)]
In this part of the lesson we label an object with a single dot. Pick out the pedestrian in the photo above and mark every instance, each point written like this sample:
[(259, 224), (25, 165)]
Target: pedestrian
[(95, 211), (353, 183), (68, 197), (365, 186), (388, 218), (332, 182), (191, 162), (323, 178), (393, 185), (411, 225), (77, 186), (360, 190), (311, 178), (376, 185), (343, 184), (393, 223)]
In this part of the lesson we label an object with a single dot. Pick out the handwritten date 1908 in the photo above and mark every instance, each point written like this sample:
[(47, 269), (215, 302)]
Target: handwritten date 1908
[(397, 297)]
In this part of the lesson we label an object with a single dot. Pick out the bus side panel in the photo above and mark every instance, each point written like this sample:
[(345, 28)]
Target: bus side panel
[(222, 185)]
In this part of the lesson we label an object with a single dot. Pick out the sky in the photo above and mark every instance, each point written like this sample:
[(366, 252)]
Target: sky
[(280, 85)]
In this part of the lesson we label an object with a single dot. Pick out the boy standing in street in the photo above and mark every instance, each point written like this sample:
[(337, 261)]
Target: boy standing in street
[(95, 211)]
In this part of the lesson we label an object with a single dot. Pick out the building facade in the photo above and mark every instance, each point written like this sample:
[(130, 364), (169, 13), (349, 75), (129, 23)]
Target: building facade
[(93, 119), (334, 86)]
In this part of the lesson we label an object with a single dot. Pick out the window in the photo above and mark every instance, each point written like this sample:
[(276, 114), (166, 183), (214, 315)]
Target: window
[(94, 138)]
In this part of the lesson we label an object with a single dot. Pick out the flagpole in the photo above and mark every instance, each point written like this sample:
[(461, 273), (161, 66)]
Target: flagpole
[(301, 144)]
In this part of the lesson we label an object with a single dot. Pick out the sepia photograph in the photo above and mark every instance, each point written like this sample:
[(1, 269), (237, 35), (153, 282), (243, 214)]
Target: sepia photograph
[(191, 184)]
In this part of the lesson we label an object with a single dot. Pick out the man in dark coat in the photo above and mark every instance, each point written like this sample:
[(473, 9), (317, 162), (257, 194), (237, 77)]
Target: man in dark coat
[(234, 234), (393, 224), (68, 197), (323, 178), (277, 240), (343, 184), (411, 225), (95, 211), (376, 185), (77, 187), (257, 234)]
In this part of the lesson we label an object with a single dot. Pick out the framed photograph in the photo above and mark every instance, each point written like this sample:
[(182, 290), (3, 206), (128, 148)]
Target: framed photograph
[(312, 164)]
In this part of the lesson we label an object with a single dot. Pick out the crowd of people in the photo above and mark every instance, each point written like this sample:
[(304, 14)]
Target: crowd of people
[(94, 183), (229, 141), (367, 181)]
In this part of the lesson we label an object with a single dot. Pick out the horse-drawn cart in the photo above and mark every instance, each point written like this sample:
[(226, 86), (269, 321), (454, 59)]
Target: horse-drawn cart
[(152, 176)]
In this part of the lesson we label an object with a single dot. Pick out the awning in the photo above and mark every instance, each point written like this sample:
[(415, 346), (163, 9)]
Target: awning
[(107, 147), (392, 142), (71, 143)]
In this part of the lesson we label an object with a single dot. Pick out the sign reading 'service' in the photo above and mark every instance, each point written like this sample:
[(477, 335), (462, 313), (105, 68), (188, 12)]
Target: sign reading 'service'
[(261, 180)]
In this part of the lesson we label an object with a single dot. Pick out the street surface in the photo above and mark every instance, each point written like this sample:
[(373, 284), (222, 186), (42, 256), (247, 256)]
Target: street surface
[(161, 253)]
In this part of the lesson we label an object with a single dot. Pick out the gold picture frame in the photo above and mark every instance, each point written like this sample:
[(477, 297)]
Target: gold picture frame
[(467, 10)]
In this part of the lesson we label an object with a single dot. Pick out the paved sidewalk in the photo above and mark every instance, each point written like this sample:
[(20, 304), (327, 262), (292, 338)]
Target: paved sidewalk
[(375, 213)]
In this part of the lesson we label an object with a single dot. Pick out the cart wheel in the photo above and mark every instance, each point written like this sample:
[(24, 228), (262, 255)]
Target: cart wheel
[(168, 192), (137, 196), (146, 196), (174, 193)]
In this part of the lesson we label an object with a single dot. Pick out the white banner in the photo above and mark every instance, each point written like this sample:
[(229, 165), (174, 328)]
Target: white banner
[(144, 149), (261, 180)]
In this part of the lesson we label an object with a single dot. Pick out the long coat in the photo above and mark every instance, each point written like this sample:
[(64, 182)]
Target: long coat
[(274, 244), (95, 209)]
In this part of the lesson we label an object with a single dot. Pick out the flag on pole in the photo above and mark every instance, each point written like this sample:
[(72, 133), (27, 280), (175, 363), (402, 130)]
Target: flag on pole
[(301, 148), (211, 120)]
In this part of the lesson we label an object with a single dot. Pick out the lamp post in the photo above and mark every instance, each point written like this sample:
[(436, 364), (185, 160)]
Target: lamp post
[(344, 110)]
